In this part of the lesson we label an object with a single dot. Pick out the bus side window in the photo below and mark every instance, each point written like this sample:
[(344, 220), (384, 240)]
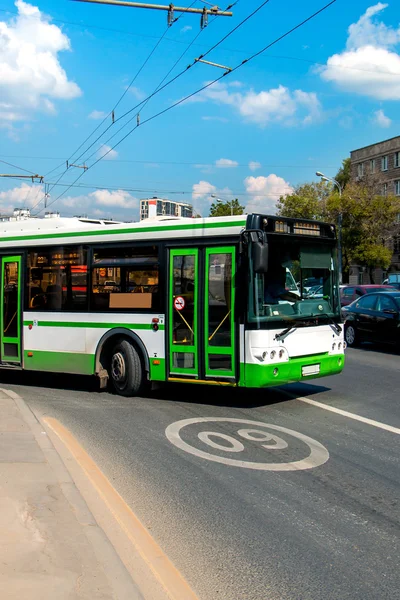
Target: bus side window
[(57, 279), (125, 277)]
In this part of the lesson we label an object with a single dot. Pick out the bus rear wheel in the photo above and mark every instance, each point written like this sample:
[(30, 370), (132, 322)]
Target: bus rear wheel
[(127, 374)]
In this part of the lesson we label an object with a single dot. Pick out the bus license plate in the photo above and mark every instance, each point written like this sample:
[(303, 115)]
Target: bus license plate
[(310, 370)]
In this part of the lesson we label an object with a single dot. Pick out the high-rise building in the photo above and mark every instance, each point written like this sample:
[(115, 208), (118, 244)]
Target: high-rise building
[(159, 207)]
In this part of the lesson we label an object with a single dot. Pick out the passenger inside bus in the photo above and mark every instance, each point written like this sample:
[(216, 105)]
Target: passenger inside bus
[(275, 286)]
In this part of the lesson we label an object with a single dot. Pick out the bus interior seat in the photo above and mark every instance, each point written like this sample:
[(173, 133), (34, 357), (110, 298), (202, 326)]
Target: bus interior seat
[(54, 297)]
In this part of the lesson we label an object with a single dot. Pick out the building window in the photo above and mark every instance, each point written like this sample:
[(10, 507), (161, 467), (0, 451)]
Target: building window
[(372, 165), (360, 169), (397, 187), (384, 163), (57, 279), (384, 189), (397, 159), (396, 244)]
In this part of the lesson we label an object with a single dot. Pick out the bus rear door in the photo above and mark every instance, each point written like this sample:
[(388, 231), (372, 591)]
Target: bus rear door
[(10, 310)]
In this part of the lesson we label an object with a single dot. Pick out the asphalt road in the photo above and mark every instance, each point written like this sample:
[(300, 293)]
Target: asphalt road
[(237, 533)]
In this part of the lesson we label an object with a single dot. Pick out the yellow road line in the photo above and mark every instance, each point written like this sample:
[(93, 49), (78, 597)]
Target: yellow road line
[(166, 573)]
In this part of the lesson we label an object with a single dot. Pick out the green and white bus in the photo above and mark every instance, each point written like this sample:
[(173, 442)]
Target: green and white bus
[(215, 300)]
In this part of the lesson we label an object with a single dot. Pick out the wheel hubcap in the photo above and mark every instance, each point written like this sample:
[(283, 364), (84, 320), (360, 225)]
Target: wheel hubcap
[(350, 335), (118, 367)]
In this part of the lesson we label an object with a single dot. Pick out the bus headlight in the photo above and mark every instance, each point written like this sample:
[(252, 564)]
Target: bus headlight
[(272, 355)]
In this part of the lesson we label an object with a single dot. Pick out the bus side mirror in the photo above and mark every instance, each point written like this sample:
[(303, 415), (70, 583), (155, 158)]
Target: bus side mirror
[(260, 256)]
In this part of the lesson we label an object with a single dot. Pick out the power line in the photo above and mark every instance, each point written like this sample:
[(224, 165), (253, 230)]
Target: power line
[(204, 87), (111, 113), (252, 57), (17, 167), (162, 191), (161, 87), (197, 163), (176, 41), (144, 102)]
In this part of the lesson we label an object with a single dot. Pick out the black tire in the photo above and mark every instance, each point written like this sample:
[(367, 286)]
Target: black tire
[(351, 334), (127, 375)]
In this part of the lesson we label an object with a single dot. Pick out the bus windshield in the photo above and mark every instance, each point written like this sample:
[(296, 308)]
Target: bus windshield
[(300, 283)]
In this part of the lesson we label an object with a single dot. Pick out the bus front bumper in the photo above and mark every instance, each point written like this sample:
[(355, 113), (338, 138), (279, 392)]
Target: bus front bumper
[(294, 370)]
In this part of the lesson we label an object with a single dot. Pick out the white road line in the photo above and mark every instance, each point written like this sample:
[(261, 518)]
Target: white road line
[(345, 413)]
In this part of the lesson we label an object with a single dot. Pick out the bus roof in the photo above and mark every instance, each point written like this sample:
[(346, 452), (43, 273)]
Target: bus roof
[(34, 231)]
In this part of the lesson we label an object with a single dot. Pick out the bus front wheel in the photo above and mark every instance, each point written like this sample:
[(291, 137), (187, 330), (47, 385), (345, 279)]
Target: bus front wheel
[(126, 369)]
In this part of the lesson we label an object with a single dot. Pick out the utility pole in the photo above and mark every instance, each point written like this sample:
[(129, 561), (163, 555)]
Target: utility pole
[(32, 177), (170, 8)]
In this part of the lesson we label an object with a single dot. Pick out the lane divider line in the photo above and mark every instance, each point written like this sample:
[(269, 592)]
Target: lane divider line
[(163, 569), (344, 413)]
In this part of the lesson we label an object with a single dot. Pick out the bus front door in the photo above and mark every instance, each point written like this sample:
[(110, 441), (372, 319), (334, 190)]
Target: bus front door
[(201, 340), (10, 310)]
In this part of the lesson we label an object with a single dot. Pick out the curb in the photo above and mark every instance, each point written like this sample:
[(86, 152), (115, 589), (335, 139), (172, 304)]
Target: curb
[(120, 581)]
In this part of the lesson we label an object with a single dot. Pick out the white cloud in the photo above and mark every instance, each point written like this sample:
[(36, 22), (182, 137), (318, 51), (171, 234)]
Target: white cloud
[(366, 32), (369, 66), (114, 198), (264, 192), (226, 163), (24, 196), (186, 28), (30, 72), (137, 93), (107, 153), (101, 203), (254, 165), (97, 114), (379, 118), (268, 106), (119, 204), (202, 189)]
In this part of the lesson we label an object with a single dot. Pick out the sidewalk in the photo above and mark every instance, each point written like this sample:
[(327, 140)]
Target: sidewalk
[(50, 544)]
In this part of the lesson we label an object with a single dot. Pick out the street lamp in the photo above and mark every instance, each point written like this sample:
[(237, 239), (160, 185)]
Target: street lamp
[(220, 200), (340, 218)]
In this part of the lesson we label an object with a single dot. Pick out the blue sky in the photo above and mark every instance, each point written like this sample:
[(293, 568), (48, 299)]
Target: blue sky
[(331, 86)]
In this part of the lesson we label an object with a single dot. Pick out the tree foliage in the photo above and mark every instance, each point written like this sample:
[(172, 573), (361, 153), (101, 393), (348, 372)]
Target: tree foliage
[(221, 208), (343, 176), (367, 219), (307, 201)]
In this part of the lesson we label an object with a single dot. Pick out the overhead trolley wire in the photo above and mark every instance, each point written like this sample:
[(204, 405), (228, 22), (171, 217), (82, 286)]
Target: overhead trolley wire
[(160, 87), (247, 60), (115, 106)]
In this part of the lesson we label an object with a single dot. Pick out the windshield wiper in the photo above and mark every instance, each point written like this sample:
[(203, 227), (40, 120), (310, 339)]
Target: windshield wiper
[(297, 323), (336, 327), (307, 322)]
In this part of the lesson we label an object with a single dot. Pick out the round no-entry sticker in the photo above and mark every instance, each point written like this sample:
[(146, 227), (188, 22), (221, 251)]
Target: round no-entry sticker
[(179, 303)]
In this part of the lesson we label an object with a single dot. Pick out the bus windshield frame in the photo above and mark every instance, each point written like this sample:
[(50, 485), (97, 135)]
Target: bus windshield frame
[(300, 283)]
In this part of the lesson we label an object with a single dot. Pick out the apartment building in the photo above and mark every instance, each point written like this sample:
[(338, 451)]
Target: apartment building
[(380, 161), (159, 207)]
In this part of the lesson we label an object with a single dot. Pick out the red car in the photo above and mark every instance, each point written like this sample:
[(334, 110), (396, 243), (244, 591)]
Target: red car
[(348, 293)]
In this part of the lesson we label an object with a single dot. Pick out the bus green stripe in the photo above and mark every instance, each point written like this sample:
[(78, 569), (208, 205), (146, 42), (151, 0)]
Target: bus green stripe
[(59, 362), (131, 230), (89, 325)]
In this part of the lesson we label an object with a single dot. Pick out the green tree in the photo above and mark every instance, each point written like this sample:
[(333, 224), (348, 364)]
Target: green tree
[(343, 176), (367, 225), (221, 208), (367, 219), (308, 201)]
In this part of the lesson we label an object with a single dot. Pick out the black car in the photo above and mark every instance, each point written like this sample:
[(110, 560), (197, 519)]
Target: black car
[(373, 318)]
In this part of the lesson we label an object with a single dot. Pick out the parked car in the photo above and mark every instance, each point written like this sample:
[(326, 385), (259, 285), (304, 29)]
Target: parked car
[(393, 280), (374, 317), (349, 293)]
